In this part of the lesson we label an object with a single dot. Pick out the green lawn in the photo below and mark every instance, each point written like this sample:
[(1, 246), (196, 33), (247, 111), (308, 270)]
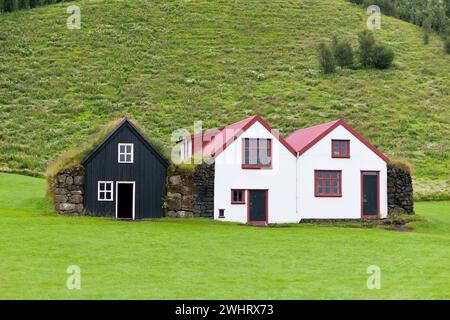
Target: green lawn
[(196, 258)]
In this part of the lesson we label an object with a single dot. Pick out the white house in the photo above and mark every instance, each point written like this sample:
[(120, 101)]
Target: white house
[(323, 172)]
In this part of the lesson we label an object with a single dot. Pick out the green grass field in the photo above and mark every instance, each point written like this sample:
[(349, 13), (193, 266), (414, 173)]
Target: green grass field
[(203, 259), (168, 63)]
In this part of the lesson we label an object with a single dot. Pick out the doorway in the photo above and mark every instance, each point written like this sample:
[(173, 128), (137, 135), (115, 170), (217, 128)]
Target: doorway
[(125, 200), (370, 194), (257, 206)]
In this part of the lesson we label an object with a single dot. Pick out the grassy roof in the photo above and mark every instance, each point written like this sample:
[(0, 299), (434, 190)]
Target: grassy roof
[(75, 156)]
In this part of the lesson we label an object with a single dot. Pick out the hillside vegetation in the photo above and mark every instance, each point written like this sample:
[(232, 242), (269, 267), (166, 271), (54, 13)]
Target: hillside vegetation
[(168, 63)]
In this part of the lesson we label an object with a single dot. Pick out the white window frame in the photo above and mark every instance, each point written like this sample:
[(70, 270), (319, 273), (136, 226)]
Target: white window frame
[(119, 153), (105, 191)]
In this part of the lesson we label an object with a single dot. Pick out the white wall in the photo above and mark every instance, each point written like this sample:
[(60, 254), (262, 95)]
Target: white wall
[(280, 180), (185, 147), (319, 157)]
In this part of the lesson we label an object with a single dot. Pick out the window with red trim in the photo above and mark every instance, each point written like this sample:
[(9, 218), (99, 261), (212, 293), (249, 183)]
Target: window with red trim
[(340, 148), (328, 183), (256, 153), (237, 196)]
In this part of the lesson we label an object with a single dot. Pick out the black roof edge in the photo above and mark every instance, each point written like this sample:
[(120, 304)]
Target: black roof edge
[(126, 121)]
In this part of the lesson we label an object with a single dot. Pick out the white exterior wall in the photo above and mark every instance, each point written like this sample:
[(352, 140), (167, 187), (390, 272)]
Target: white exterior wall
[(185, 147), (279, 181), (319, 157)]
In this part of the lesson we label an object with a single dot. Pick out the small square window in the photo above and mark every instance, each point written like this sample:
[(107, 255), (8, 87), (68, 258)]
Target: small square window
[(105, 191), (237, 196), (126, 152), (340, 148), (221, 213)]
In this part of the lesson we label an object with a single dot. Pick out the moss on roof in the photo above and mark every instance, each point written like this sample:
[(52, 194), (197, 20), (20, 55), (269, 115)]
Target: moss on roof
[(75, 156)]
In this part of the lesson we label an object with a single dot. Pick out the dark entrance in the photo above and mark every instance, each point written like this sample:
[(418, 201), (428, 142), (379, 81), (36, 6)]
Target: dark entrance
[(257, 206), (370, 194), (125, 199)]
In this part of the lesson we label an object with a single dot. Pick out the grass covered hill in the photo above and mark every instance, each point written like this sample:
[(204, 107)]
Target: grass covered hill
[(168, 63)]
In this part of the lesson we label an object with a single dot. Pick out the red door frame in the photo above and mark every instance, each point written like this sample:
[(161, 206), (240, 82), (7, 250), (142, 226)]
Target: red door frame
[(248, 204), (363, 216)]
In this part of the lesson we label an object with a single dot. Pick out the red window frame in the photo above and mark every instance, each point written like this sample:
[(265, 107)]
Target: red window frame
[(341, 153), (242, 201), (259, 165), (324, 180)]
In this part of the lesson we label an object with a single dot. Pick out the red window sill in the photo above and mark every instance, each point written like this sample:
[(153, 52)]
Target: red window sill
[(342, 157), (328, 195), (245, 166), (237, 202)]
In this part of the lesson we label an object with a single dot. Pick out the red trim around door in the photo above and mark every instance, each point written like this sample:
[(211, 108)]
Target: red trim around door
[(363, 216), (267, 204)]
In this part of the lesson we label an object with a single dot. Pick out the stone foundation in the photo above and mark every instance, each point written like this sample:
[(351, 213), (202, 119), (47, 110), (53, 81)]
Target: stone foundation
[(400, 191), (69, 191)]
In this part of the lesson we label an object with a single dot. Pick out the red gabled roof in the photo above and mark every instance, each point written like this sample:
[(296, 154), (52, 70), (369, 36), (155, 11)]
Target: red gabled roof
[(215, 141), (303, 139)]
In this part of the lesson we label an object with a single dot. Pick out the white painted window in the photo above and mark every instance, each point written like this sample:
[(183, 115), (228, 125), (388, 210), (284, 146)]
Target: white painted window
[(105, 191), (126, 152)]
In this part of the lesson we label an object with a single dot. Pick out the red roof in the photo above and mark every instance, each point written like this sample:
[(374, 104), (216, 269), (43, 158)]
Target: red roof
[(217, 140), (303, 139)]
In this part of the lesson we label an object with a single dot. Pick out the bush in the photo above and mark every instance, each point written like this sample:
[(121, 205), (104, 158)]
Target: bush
[(366, 44), (343, 52), (11, 5), (447, 45), (382, 57), (2, 5), (326, 58), (426, 38)]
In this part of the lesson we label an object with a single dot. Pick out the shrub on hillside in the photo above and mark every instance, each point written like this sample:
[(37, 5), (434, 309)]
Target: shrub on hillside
[(2, 5), (343, 52), (447, 45), (366, 44), (24, 4), (382, 57), (11, 5), (326, 58)]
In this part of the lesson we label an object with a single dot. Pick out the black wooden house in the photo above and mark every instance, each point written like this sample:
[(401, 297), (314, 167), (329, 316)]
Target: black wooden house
[(125, 176)]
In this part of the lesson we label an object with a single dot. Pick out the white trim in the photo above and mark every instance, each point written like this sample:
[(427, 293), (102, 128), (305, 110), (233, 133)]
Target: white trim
[(125, 153), (98, 190), (134, 195)]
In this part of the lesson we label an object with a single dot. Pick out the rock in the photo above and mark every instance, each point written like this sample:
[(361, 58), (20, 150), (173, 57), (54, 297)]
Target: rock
[(78, 180), (69, 180), (175, 180), (66, 206), (60, 198), (76, 199), (60, 191), (187, 203), (62, 179), (171, 214), (77, 192)]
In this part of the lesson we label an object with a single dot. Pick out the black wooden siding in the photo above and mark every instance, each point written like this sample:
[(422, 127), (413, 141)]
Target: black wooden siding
[(148, 171)]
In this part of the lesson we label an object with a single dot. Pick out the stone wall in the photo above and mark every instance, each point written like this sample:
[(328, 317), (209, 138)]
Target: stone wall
[(180, 192), (204, 190), (190, 193), (400, 191), (69, 191)]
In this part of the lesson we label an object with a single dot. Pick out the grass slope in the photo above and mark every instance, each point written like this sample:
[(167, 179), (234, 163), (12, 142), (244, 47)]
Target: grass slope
[(203, 259), (168, 63)]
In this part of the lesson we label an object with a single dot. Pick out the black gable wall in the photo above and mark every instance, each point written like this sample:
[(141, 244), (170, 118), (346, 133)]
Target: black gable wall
[(148, 171)]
